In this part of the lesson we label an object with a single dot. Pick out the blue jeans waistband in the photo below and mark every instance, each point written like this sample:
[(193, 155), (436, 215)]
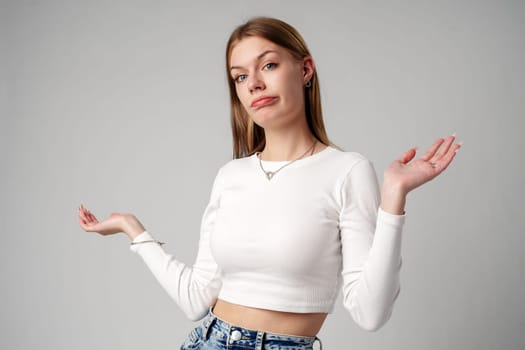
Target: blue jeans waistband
[(225, 335)]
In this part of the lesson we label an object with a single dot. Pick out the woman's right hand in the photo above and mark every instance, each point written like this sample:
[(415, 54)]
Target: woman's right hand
[(115, 223)]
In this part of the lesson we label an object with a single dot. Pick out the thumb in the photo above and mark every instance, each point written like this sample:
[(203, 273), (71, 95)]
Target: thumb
[(408, 155)]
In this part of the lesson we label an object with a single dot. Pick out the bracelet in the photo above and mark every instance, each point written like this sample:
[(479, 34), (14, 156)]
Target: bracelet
[(148, 241)]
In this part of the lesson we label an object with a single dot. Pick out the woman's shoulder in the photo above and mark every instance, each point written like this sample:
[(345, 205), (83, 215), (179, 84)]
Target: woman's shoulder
[(345, 160), (347, 155), (236, 166)]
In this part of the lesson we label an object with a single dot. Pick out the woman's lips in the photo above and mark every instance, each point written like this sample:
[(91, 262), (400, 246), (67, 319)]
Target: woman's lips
[(263, 101)]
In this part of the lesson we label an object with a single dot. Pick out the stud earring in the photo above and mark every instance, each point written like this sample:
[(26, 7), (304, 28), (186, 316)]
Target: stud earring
[(308, 84)]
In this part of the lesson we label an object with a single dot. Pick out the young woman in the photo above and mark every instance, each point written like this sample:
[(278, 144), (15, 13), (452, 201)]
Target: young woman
[(291, 219)]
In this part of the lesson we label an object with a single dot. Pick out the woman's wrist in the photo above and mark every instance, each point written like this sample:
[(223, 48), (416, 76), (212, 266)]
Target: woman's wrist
[(393, 199), (132, 227)]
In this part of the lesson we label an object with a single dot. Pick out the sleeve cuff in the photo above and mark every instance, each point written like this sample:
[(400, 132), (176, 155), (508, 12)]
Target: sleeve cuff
[(144, 236), (390, 219)]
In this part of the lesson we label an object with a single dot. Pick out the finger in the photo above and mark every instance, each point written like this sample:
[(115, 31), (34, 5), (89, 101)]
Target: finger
[(432, 150), (87, 215), (81, 214), (408, 155), (89, 219), (445, 161), (83, 224), (92, 217), (85, 221), (445, 147)]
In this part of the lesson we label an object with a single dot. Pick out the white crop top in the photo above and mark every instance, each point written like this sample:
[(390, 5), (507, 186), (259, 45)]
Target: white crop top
[(290, 243)]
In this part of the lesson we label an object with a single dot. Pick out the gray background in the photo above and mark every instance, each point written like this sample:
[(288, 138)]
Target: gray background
[(122, 106)]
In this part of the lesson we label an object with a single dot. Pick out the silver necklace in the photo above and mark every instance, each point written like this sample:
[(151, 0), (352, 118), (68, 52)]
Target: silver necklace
[(270, 174)]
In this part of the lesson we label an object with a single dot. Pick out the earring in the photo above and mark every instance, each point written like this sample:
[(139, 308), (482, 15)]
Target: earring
[(308, 84)]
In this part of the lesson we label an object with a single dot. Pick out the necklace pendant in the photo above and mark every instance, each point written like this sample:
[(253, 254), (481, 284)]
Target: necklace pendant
[(269, 175)]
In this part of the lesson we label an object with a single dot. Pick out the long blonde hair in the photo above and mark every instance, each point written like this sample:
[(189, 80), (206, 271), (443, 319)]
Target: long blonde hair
[(248, 137)]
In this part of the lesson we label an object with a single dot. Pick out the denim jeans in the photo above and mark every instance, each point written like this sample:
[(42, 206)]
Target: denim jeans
[(216, 334)]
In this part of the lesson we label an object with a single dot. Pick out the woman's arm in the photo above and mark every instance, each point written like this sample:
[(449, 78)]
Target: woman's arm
[(194, 288), (371, 237), (371, 249)]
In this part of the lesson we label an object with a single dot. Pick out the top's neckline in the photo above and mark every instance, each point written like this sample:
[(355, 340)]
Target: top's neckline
[(303, 160)]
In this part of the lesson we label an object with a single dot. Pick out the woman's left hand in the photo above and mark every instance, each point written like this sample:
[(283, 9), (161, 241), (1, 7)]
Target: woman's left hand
[(406, 174)]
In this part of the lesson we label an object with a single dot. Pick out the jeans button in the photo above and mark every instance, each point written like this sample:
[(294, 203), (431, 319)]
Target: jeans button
[(236, 335)]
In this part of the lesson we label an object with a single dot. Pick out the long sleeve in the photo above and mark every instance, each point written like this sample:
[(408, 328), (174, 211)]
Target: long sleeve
[(371, 248), (194, 288)]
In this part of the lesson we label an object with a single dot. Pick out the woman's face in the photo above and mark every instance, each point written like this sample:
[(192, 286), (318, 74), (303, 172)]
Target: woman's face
[(269, 81)]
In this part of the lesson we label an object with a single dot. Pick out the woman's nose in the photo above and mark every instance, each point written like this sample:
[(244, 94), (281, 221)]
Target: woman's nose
[(255, 83)]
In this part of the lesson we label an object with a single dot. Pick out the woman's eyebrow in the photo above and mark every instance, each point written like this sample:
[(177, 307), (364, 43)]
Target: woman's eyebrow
[(264, 53)]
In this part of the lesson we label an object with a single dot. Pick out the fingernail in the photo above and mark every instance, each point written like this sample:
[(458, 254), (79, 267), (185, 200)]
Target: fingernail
[(454, 134)]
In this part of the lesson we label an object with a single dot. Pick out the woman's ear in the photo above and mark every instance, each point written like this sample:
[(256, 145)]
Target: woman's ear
[(308, 68)]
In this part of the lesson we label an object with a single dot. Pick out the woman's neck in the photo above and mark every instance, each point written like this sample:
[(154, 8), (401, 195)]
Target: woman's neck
[(286, 145)]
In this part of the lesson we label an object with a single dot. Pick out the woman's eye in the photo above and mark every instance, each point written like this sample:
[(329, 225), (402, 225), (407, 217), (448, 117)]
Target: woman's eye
[(269, 66), (240, 78)]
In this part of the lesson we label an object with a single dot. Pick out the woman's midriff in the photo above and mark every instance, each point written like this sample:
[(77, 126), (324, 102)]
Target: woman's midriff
[(271, 321)]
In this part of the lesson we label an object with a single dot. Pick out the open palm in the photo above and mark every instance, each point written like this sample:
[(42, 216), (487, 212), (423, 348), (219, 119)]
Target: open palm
[(410, 174), (109, 226)]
